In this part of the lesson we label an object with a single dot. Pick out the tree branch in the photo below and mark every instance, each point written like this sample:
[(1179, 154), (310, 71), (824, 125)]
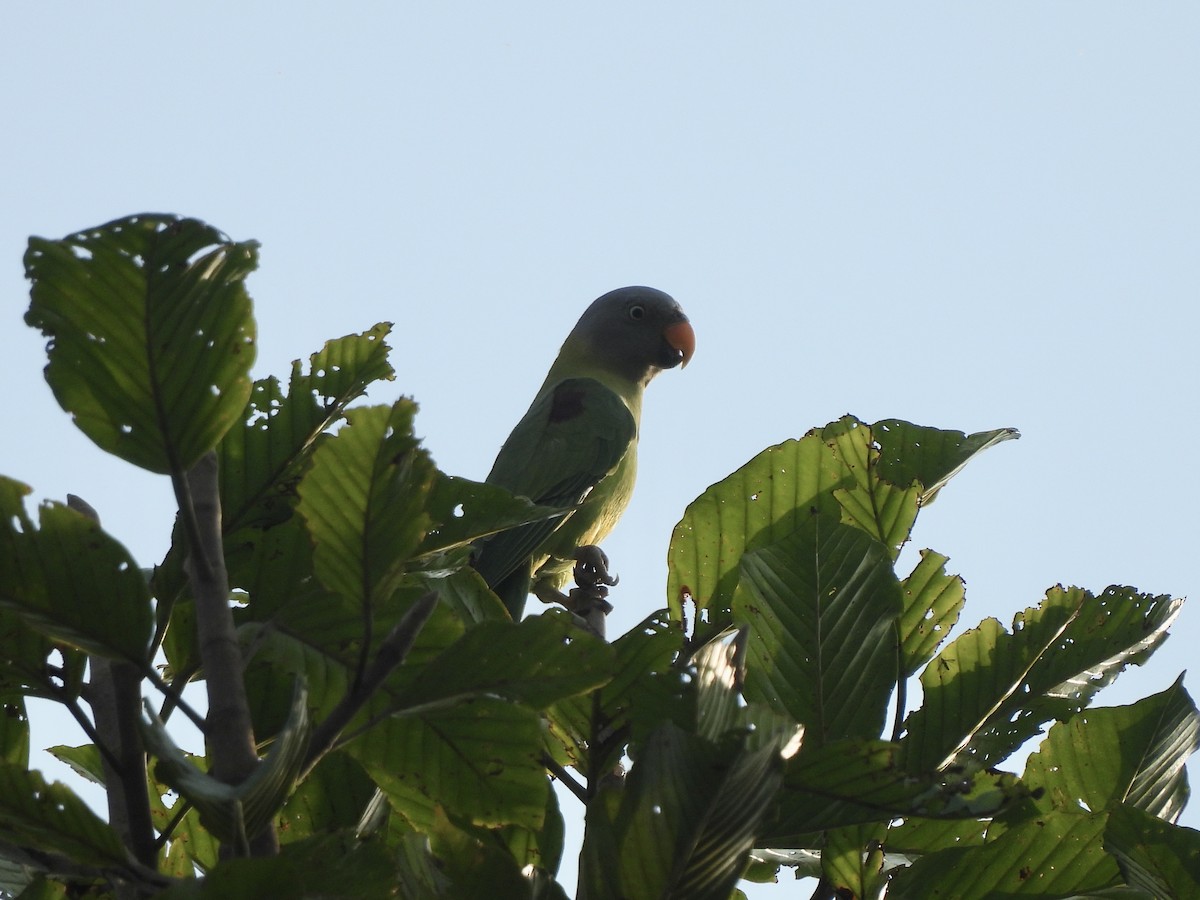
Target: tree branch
[(230, 731)]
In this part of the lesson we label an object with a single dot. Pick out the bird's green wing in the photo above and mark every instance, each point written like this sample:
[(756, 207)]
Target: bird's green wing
[(572, 436)]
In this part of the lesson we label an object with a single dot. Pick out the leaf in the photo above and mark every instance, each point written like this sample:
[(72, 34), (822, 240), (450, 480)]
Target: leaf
[(364, 502), (151, 332), (1132, 755), (14, 732), (479, 760), (262, 460), (990, 690), (326, 866), (852, 860), (331, 798), (50, 818), (231, 812), (686, 821), (821, 605), (464, 511), (884, 510), (762, 501), (851, 782), (932, 603), (929, 456), (69, 580), (1159, 858), (1057, 855), (590, 731), (533, 662), (871, 477)]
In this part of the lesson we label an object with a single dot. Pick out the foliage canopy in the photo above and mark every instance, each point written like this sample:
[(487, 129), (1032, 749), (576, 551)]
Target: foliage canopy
[(378, 726)]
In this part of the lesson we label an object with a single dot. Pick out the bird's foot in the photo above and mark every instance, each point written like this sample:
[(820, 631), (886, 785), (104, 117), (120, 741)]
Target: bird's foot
[(591, 568), (588, 601)]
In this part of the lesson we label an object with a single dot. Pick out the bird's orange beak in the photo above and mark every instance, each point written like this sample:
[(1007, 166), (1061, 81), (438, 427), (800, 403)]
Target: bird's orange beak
[(682, 338)]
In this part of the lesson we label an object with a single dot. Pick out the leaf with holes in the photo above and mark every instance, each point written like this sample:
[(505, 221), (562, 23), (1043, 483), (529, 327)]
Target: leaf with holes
[(990, 690), (1131, 754), (152, 336), (70, 580)]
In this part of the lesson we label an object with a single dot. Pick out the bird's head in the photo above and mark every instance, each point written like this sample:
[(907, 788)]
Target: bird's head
[(635, 332)]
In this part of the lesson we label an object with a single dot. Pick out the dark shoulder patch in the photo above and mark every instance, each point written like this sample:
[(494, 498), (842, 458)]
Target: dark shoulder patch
[(567, 402)]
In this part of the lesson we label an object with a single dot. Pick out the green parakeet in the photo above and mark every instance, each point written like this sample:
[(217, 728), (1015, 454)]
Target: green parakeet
[(577, 444)]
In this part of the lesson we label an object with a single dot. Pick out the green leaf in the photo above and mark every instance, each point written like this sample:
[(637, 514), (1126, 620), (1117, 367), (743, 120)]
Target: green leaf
[(1159, 858), (929, 456), (821, 605), (687, 819), (71, 581), (852, 860), (327, 866), (871, 477), (235, 812), (49, 817), (14, 732), (589, 731), (464, 511), (990, 690), (851, 782), (884, 510), (1132, 755), (1057, 855), (329, 799), (534, 662), (261, 461), (151, 332), (480, 760), (763, 501), (364, 501), (932, 603)]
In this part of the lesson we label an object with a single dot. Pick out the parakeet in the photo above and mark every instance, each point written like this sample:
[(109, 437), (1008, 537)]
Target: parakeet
[(577, 444)]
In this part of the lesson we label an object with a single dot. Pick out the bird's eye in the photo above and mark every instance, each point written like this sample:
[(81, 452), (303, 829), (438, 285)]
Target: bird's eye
[(637, 312)]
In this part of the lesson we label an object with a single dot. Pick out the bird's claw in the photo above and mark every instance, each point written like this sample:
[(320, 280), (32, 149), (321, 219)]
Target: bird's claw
[(591, 568)]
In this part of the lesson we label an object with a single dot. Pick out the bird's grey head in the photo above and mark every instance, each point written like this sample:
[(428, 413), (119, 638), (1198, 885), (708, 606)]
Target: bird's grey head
[(638, 330)]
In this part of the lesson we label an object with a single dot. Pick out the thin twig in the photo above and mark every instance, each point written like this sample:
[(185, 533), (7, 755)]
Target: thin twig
[(175, 696), (567, 779)]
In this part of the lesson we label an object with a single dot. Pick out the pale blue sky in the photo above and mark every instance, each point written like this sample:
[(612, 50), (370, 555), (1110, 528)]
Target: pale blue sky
[(966, 215)]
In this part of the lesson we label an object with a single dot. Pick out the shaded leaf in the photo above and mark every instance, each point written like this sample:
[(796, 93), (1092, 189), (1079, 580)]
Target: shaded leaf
[(856, 781), (70, 580), (234, 812), (328, 866), (990, 690), (261, 461), (686, 821), (479, 760), (764, 500), (151, 332), (821, 605), (51, 818), (463, 511), (1057, 855), (364, 503), (1159, 858), (1132, 755), (929, 456), (534, 662)]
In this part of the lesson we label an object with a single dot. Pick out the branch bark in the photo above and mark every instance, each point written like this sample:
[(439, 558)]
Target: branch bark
[(230, 731)]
